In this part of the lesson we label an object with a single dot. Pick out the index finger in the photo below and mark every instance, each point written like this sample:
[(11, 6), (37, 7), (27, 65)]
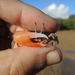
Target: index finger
[(21, 14)]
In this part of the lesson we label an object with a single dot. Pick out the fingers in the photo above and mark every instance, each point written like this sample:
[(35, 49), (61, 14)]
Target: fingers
[(25, 16), (35, 59), (28, 60)]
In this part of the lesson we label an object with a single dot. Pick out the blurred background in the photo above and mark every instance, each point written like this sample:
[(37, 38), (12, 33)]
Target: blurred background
[(64, 12)]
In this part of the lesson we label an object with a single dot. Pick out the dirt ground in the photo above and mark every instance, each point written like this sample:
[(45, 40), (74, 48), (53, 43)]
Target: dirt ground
[(66, 42), (66, 39)]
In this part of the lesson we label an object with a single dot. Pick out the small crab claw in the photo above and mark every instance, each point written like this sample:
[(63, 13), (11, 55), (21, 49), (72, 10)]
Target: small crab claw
[(24, 38)]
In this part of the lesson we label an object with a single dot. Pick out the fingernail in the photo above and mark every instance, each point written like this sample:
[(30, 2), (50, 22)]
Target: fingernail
[(54, 57)]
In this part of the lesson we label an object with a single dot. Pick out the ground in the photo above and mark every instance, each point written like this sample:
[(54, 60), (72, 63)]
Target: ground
[(66, 39), (67, 66)]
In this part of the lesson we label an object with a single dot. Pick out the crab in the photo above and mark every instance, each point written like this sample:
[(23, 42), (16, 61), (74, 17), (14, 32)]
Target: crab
[(35, 39)]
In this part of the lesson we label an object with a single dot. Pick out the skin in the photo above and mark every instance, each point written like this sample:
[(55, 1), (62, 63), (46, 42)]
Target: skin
[(16, 15)]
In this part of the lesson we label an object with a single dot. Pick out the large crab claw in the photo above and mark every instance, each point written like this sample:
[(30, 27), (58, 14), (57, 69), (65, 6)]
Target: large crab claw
[(24, 38)]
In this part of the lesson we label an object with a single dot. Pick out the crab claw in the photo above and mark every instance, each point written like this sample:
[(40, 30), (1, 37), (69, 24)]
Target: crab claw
[(24, 38)]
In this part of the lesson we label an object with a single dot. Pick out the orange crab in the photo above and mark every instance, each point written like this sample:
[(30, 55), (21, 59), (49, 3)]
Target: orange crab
[(34, 39)]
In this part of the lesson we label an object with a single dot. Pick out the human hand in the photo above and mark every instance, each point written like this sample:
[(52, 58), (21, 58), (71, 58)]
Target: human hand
[(24, 60)]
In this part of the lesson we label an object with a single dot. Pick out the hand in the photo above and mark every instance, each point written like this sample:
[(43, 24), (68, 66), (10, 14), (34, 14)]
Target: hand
[(24, 60)]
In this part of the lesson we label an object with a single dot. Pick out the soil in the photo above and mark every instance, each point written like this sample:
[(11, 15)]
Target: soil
[(67, 66), (66, 39)]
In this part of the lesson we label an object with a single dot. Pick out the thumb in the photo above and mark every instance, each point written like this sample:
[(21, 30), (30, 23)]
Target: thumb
[(29, 60)]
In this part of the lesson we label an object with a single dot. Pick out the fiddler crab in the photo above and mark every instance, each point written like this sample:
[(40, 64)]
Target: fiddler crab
[(35, 39)]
